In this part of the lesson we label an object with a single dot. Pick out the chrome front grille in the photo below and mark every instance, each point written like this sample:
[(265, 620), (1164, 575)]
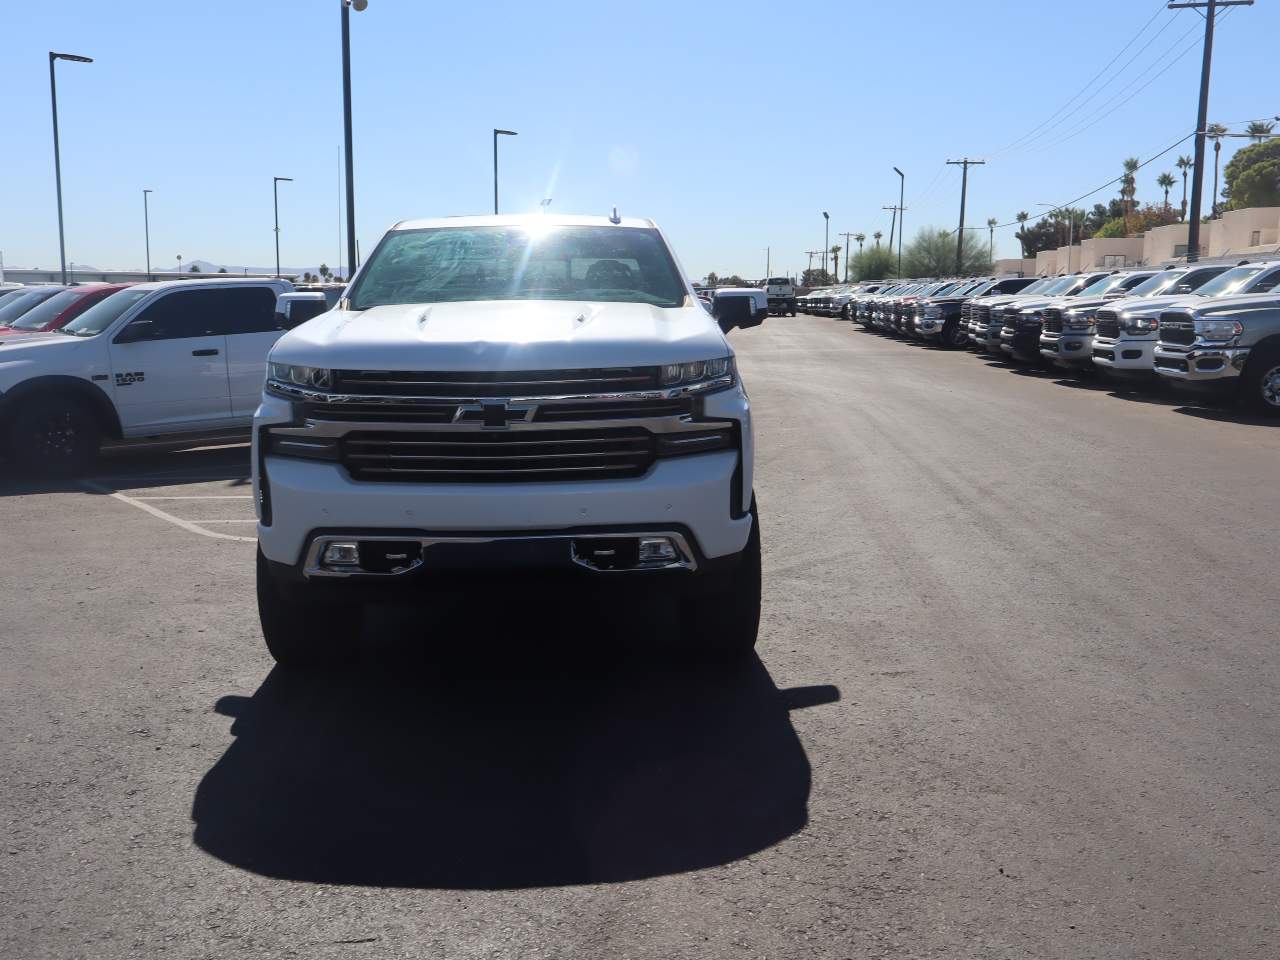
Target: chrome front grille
[(1052, 320), (469, 385), (1177, 328)]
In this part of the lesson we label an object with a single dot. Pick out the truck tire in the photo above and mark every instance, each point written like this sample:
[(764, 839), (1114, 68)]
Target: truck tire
[(302, 635), (54, 436), (721, 622), (954, 336), (1260, 381)]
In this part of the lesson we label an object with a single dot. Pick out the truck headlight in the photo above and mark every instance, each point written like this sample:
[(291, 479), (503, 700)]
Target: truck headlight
[(1218, 329), (318, 378), (1137, 323), (700, 376)]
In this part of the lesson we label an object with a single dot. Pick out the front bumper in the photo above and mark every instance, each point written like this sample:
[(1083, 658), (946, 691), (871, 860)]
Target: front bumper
[(1067, 349), (1123, 354), (1200, 363)]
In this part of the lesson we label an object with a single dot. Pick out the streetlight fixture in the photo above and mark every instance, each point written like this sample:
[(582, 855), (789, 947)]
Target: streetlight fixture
[(57, 156), (496, 134), (146, 226), (346, 128), (902, 193), (1071, 228), (826, 242), (179, 266), (546, 202), (275, 199)]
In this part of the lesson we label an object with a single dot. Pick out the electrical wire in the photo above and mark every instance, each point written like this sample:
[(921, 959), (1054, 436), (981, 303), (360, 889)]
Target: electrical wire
[(1030, 135)]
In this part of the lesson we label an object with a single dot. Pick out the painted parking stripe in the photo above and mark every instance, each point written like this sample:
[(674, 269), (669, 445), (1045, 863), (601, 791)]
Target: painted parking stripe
[(214, 496), (157, 512)]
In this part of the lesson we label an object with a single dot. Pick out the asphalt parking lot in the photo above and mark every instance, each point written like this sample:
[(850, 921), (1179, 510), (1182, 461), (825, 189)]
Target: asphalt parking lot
[(1015, 697)]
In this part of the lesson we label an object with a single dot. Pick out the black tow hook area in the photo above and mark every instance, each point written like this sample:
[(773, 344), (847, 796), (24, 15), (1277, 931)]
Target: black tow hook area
[(611, 553)]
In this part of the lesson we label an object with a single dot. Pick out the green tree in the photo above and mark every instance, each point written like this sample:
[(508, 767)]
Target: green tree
[(1253, 176), (816, 277), (1260, 129), (1113, 229), (876, 236), (1129, 184), (1022, 219), (222, 269), (1166, 182), (877, 263), (835, 260), (1185, 163), (932, 253), (861, 238), (325, 272), (194, 268), (992, 222)]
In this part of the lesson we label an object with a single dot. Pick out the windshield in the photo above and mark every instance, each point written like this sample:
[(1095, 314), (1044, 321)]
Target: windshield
[(1039, 286), (443, 264), (13, 309), (1153, 285), (45, 313), (1230, 282), (1058, 286), (103, 313), (1104, 286)]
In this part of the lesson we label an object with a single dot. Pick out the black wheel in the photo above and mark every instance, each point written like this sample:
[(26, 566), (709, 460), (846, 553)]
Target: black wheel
[(721, 621), (954, 336), (55, 436), (303, 635), (1261, 381)]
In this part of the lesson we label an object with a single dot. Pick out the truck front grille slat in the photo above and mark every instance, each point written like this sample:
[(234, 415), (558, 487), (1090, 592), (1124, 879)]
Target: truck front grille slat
[(523, 383), (1108, 329), (479, 456), (1177, 328), (1052, 320)]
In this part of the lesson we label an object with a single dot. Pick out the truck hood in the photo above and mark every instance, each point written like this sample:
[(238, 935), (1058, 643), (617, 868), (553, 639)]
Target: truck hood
[(1151, 304), (494, 335), (16, 345)]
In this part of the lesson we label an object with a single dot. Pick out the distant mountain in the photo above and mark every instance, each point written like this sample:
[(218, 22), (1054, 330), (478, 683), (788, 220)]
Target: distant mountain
[(241, 270)]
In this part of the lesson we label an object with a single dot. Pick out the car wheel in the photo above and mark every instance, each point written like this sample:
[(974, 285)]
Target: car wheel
[(954, 336), (721, 622), (55, 436), (303, 634), (1261, 381)]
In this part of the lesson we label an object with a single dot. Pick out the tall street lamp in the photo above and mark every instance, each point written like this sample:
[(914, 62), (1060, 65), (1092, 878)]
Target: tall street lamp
[(902, 193), (57, 157), (346, 128), (275, 199), (826, 242), (146, 226), (496, 134)]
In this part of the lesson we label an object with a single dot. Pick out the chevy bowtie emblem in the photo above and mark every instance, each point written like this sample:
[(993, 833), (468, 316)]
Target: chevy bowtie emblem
[(494, 416)]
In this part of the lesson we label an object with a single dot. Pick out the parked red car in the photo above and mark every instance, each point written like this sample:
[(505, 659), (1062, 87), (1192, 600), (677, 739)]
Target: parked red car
[(61, 308)]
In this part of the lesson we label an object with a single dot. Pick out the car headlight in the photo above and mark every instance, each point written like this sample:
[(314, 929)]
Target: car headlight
[(700, 376), (1139, 323), (1218, 329), (314, 378)]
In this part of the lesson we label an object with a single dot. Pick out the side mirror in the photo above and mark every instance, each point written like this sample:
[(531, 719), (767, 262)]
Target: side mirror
[(292, 313), (721, 310), (135, 331)]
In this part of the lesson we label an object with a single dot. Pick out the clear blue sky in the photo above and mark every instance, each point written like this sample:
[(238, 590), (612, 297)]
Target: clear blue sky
[(732, 124)]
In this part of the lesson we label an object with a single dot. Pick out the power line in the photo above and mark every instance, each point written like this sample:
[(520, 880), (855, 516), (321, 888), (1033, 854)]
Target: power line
[(1030, 134)]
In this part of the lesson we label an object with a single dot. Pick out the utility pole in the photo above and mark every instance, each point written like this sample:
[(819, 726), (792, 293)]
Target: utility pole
[(826, 238), (1210, 8), (902, 213), (768, 263), (848, 252), (893, 224), (965, 164), (812, 254)]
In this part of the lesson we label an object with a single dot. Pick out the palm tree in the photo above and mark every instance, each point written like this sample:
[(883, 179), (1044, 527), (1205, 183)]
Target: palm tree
[(1166, 182), (1022, 219), (835, 260), (860, 237), (1259, 130), (991, 231), (1129, 187), (1215, 132), (877, 235), (1185, 163)]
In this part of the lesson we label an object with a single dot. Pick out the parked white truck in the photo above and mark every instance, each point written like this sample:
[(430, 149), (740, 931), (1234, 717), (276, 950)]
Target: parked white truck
[(496, 393)]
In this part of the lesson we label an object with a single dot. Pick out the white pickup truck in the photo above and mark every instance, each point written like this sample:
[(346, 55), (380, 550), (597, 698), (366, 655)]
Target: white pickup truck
[(179, 357), (543, 394)]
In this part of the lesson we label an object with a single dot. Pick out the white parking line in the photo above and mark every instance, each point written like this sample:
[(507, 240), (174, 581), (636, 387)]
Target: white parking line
[(157, 512), (216, 496)]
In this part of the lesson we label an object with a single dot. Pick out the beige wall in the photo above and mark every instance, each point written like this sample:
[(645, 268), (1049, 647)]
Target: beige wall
[(1013, 268), (1046, 263), (1099, 252), (1234, 232)]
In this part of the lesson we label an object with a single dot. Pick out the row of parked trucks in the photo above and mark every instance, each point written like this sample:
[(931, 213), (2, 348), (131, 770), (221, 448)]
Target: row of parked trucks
[(1213, 326)]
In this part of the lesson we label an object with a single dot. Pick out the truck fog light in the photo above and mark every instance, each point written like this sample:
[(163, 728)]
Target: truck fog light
[(657, 550), (340, 554), (1074, 345)]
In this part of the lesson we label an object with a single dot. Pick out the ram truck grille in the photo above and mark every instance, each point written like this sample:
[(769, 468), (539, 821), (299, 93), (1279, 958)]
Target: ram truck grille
[(1178, 329), (1108, 325), (497, 457), (1052, 320)]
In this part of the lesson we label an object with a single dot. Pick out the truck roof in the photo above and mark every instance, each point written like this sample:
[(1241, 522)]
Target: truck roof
[(524, 219)]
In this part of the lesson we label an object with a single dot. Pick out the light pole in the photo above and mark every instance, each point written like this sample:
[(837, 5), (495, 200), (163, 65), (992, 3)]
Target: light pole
[(768, 261), (496, 134), (546, 202), (146, 226), (826, 242), (346, 126), (179, 266), (57, 157), (902, 213), (275, 200)]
